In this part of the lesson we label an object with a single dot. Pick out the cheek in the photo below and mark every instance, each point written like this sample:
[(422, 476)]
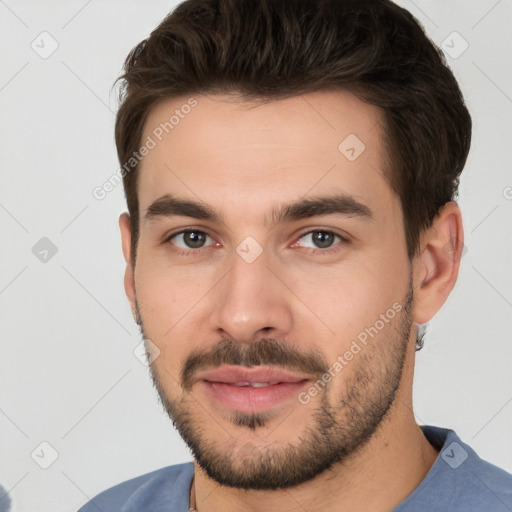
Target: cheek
[(168, 301), (167, 292), (347, 299)]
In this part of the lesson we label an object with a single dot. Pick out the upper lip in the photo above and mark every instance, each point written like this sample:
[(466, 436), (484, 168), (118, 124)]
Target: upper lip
[(234, 374)]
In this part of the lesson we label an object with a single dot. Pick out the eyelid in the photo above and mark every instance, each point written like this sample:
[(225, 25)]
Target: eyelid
[(343, 239), (343, 236), (336, 246), (167, 238)]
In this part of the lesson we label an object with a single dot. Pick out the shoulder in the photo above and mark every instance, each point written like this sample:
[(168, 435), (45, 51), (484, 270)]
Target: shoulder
[(460, 480), (487, 486), (169, 486)]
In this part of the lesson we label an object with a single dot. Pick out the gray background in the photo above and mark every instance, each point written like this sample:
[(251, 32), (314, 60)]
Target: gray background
[(68, 375)]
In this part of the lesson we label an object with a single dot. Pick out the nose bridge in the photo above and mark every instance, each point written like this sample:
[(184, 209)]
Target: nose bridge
[(251, 298)]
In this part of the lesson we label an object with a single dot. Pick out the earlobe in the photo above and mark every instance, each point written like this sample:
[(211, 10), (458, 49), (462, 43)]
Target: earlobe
[(437, 265), (129, 278)]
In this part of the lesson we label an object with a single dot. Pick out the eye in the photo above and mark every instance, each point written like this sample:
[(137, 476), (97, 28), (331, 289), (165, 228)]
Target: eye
[(320, 240), (190, 239)]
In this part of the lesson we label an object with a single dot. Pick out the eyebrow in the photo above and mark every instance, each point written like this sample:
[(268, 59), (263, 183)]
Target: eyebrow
[(341, 204)]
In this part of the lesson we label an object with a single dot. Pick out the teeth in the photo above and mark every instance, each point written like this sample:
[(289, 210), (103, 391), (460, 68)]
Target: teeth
[(254, 384)]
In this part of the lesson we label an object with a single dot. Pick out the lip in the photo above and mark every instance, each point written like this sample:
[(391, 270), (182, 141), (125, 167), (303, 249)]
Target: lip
[(232, 374), (220, 384)]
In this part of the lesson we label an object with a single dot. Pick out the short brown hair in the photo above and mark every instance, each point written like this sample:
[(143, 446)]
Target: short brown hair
[(273, 49)]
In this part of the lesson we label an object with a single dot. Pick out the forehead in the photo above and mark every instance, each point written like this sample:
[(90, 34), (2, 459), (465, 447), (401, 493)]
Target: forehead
[(242, 155)]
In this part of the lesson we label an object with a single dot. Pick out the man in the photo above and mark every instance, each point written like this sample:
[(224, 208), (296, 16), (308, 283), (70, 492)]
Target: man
[(290, 171)]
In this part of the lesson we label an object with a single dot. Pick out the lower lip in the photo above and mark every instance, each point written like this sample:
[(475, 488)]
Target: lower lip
[(251, 399)]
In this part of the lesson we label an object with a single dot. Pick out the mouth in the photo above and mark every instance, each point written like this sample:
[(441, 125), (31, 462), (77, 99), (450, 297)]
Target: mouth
[(253, 389)]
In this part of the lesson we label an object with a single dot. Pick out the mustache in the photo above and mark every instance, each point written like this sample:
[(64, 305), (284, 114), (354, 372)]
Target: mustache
[(265, 352)]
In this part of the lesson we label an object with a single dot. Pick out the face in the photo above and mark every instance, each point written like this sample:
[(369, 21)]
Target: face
[(272, 275)]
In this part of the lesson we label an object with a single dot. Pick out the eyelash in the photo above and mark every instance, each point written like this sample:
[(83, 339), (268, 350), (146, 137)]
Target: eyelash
[(329, 250)]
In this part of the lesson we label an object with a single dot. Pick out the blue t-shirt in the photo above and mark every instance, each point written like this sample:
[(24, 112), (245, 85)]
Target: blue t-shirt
[(459, 481)]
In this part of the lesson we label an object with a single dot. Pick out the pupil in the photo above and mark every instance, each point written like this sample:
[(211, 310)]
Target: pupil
[(322, 239), (194, 239)]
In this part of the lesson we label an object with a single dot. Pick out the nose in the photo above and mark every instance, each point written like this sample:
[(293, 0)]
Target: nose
[(251, 302)]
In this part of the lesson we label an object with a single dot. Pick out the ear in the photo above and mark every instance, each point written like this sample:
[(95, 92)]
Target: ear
[(436, 267), (129, 278)]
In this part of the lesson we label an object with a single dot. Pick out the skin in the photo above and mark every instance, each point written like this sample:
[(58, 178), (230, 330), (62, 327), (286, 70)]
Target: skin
[(244, 159)]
